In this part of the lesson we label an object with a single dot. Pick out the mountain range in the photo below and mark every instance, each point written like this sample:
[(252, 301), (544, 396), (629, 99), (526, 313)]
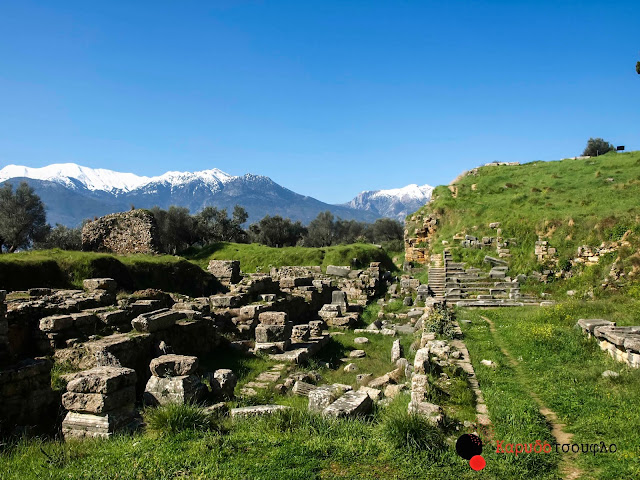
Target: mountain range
[(72, 193)]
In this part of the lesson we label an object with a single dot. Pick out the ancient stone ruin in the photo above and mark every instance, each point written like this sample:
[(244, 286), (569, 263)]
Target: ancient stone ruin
[(127, 232)]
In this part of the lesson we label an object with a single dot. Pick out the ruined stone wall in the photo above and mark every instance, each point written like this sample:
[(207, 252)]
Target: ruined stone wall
[(416, 244), (127, 232)]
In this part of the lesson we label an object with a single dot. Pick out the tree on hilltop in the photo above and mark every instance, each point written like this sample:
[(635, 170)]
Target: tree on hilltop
[(597, 146)]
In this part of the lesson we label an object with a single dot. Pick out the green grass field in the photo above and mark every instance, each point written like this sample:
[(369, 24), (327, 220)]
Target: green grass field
[(564, 368)]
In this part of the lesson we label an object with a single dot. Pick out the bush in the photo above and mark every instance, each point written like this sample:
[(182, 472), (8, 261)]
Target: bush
[(174, 418), (440, 321), (413, 432)]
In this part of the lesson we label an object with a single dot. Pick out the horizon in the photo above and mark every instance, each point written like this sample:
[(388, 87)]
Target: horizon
[(326, 100)]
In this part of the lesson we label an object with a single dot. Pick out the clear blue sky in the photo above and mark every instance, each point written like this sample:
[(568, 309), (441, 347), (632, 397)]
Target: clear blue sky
[(328, 98)]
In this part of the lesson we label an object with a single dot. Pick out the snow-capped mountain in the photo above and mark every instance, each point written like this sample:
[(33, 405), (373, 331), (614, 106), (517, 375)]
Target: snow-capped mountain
[(72, 176), (395, 203), (72, 193)]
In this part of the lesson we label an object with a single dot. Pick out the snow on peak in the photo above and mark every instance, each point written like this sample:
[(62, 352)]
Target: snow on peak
[(413, 192), (107, 180)]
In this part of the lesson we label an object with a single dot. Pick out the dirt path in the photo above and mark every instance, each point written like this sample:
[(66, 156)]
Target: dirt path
[(567, 466)]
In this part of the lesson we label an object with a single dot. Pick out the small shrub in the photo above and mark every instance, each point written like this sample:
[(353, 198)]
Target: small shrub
[(174, 418), (414, 432), (440, 321)]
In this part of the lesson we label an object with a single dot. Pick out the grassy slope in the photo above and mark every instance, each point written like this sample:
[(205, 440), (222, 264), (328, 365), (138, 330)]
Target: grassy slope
[(67, 269), (254, 256), (543, 198), (62, 269), (564, 368)]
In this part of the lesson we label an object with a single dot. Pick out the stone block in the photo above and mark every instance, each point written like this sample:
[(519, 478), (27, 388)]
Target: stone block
[(273, 348), (272, 333), (302, 389), (99, 402), (315, 328), (224, 383), (154, 322), (173, 365), (339, 297), (374, 393), (350, 405), (381, 382), (421, 361), (588, 325), (321, 397), (432, 412), (392, 391), (93, 284), (80, 425), (396, 351), (257, 410), (102, 380), (338, 271), (227, 271), (84, 320), (341, 322), (300, 333), (273, 318), (56, 323), (224, 301), (179, 390)]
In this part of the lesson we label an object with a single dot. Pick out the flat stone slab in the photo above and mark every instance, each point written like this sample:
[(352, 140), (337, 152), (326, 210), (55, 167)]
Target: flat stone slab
[(102, 380), (303, 389), (357, 354), (360, 340), (616, 335), (92, 284), (338, 271), (351, 404), (80, 425), (153, 322), (173, 365), (268, 376), (589, 325), (257, 410)]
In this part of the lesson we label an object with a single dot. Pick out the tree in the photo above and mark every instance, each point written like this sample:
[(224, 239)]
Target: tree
[(22, 217), (321, 231), (385, 230), (215, 226), (597, 146), (277, 231), (638, 68), (176, 228), (63, 238)]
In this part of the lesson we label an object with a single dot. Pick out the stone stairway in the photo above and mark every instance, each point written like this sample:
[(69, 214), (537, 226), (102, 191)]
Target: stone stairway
[(474, 287), (437, 276)]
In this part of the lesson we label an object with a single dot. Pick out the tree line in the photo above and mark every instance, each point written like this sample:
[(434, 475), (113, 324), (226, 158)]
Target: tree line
[(23, 225)]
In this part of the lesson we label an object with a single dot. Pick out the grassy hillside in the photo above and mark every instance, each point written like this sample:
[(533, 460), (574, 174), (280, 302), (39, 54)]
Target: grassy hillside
[(254, 256), (67, 269), (569, 203)]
